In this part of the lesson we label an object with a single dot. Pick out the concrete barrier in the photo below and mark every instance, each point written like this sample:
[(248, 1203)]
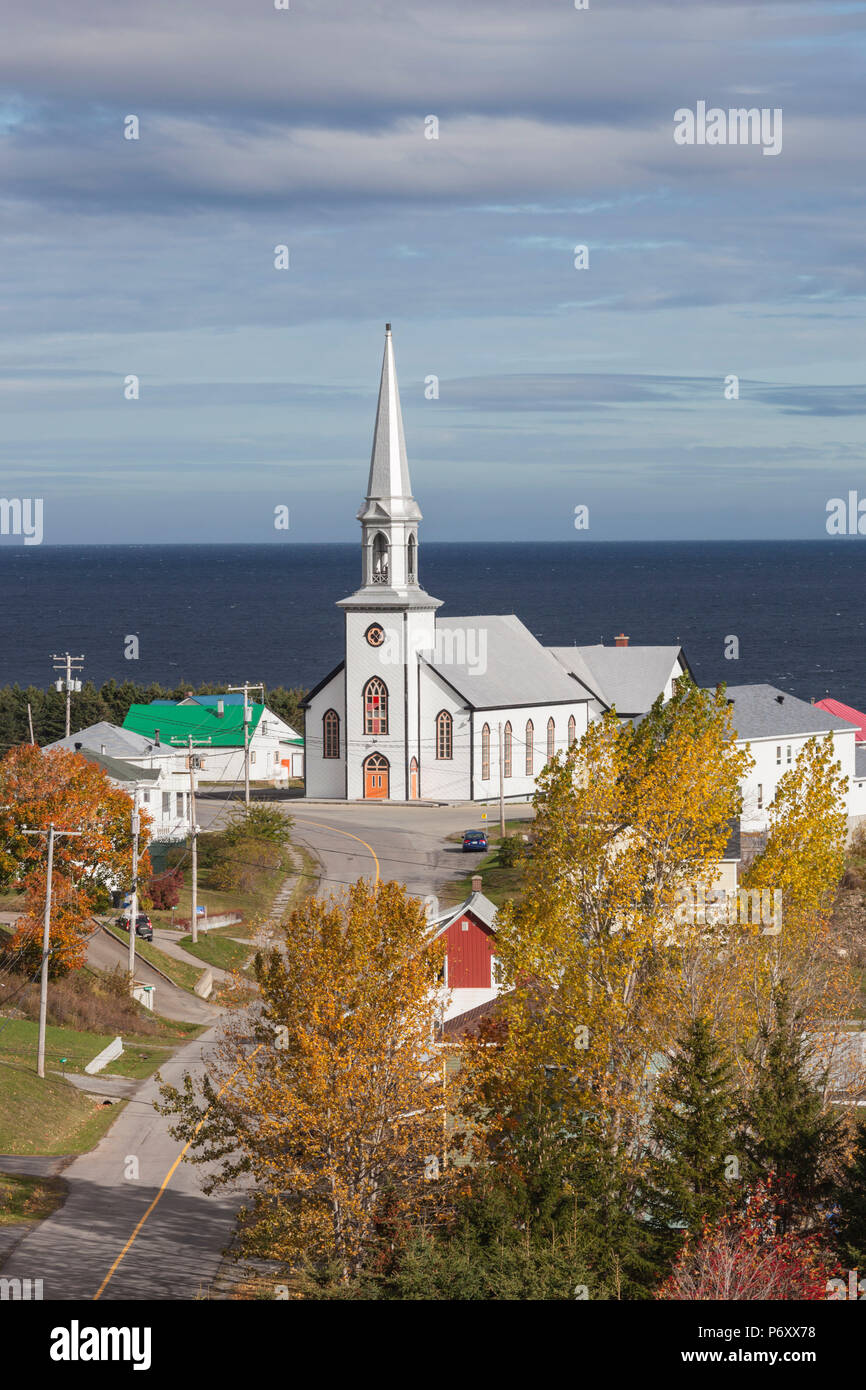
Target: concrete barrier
[(203, 986), (108, 1054)]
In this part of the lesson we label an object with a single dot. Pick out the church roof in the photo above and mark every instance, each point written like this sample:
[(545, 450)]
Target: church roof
[(494, 662), (631, 678), (389, 491)]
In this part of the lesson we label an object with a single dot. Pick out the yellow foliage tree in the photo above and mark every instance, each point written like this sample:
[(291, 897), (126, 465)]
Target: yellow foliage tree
[(338, 1113), (624, 820)]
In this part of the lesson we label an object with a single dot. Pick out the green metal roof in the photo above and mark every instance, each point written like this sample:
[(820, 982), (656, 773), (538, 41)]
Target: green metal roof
[(177, 722)]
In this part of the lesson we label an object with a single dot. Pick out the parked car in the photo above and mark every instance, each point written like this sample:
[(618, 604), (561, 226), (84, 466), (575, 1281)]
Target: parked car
[(143, 925), (474, 840)]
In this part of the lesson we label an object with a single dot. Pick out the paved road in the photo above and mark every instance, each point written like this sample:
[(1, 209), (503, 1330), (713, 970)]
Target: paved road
[(407, 843), (177, 1250), (104, 952)]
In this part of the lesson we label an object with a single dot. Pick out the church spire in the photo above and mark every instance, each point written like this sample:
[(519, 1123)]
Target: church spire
[(389, 491)]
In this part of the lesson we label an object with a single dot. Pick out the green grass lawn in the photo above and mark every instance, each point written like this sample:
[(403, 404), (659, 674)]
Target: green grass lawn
[(177, 970), (142, 1054), (499, 882), (217, 949), (24, 1199), (48, 1116)]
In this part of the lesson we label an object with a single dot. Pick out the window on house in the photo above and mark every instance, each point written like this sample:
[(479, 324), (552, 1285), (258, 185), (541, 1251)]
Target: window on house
[(444, 734), (572, 730), (166, 803), (252, 758), (178, 810), (330, 734), (788, 759), (146, 798), (485, 753), (778, 753), (551, 739), (530, 757), (506, 751), (760, 795), (375, 707)]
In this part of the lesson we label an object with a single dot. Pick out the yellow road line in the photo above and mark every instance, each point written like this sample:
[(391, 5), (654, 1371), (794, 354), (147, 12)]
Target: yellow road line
[(304, 820), (166, 1180)]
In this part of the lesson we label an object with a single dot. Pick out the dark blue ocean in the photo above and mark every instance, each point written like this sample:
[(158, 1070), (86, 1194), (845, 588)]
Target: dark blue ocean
[(266, 612)]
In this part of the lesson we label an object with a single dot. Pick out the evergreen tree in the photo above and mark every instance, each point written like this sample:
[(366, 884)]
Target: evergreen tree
[(851, 1197), (785, 1128), (693, 1128)]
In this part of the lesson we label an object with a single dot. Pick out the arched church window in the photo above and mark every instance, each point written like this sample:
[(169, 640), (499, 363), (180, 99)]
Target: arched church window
[(485, 753), (506, 751), (330, 734), (375, 706), (380, 559), (444, 735), (551, 738), (572, 730), (530, 759), (412, 559)]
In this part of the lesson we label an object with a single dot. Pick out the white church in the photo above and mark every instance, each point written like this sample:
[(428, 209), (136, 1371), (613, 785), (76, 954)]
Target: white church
[(433, 709)]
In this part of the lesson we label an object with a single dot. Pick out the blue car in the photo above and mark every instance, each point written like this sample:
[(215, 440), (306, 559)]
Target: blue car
[(474, 840)]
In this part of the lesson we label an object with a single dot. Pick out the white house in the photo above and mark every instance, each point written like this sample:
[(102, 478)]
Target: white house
[(212, 727), (774, 726), (163, 791), (432, 708)]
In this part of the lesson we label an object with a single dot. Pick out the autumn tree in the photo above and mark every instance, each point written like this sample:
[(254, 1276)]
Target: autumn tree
[(744, 1256), (623, 819), (37, 788), (850, 1224), (337, 1112), (803, 861)]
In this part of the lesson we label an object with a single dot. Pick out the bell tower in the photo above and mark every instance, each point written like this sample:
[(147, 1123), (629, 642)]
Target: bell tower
[(390, 620)]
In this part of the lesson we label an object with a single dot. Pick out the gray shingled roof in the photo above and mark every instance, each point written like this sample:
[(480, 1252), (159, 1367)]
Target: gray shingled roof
[(631, 678), (476, 903), (516, 669), (764, 711), (118, 770), (119, 743)]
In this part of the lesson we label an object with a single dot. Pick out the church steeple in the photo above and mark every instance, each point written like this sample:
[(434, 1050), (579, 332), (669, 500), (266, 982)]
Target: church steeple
[(389, 516), (389, 492)]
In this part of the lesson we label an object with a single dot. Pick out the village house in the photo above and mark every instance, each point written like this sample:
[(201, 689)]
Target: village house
[(162, 788), (215, 724)]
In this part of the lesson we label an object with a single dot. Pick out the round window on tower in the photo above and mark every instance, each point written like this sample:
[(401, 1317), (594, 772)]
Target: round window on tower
[(375, 635)]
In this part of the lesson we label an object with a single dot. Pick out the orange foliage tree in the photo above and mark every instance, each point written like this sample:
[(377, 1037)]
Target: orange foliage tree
[(37, 788)]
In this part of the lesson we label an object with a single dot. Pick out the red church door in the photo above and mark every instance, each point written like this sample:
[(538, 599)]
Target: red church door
[(376, 777)]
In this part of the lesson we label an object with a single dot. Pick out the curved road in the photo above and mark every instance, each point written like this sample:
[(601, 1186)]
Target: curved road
[(156, 1236)]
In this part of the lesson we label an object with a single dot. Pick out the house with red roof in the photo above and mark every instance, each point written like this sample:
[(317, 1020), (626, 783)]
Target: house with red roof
[(846, 712)]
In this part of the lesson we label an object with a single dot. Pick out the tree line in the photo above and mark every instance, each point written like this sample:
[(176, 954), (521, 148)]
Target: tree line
[(110, 701)]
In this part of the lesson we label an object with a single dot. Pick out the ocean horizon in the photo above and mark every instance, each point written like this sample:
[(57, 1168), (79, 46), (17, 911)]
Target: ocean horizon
[(234, 612)]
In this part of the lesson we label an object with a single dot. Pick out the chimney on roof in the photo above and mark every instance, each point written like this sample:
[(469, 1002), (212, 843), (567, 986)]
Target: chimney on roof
[(78, 747), (156, 738), (476, 883), (102, 749), (189, 694), (221, 708), (780, 699), (621, 640)]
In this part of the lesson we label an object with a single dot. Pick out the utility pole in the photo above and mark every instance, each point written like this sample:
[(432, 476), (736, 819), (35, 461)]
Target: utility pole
[(193, 835), (246, 688), (30, 721), (52, 834), (136, 828), (501, 802), (68, 682)]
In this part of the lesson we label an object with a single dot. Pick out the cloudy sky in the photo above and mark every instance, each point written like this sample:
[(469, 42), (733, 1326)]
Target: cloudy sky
[(558, 386)]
